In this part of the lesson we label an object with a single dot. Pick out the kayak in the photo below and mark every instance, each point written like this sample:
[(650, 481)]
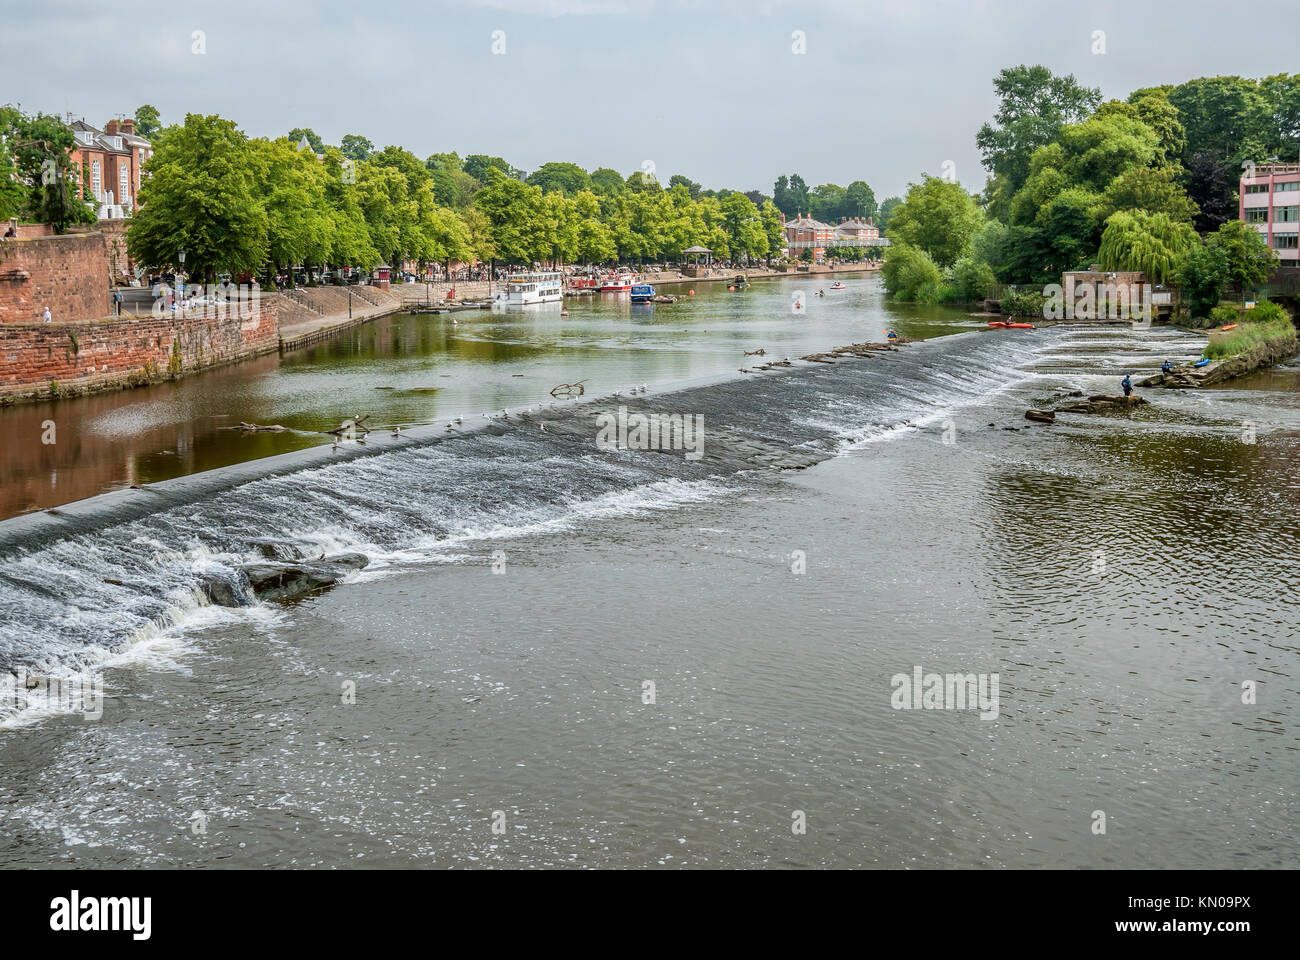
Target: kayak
[(1020, 326), (1231, 326), (1201, 363), (996, 324)]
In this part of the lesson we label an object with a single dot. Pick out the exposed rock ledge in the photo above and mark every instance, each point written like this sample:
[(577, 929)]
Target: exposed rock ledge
[(1266, 354)]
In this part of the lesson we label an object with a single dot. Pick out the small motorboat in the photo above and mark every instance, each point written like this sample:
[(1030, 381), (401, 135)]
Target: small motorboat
[(997, 324), (643, 293), (1020, 326), (838, 286)]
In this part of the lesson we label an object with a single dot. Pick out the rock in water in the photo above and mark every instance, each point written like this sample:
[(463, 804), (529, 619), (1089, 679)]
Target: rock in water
[(1042, 416), (288, 581)]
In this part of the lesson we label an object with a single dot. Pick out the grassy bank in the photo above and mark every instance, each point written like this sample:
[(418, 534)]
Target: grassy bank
[(1248, 337)]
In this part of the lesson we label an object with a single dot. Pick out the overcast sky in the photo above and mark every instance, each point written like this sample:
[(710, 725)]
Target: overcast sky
[(885, 90)]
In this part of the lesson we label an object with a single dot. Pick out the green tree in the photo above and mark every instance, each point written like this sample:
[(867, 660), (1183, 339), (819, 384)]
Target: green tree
[(290, 185), (477, 166), (1202, 278), (147, 121), (908, 271), (1245, 252), (44, 183), (1153, 189), (356, 147), (859, 200), (790, 194), (297, 134), (937, 216), (565, 178), (827, 202), (606, 182), (200, 197), (518, 220), (692, 188), (1211, 185), (886, 212), (972, 278), (744, 226), (1150, 242), (772, 227), (1033, 107)]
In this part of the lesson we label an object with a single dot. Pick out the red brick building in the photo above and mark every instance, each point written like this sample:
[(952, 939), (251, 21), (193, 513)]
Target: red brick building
[(803, 233), (856, 228), (110, 161)]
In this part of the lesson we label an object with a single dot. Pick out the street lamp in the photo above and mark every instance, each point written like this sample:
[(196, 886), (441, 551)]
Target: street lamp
[(181, 257)]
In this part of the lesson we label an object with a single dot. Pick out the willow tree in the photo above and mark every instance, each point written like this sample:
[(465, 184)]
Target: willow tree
[(1150, 242)]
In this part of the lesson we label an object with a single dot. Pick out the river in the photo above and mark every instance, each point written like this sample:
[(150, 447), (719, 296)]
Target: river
[(1123, 576)]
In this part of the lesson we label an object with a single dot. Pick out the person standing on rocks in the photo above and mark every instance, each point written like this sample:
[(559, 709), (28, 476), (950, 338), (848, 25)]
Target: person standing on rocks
[(1127, 384)]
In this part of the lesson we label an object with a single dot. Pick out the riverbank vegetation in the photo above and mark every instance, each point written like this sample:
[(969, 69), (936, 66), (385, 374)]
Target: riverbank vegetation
[(1146, 184), (261, 206), (1250, 336)]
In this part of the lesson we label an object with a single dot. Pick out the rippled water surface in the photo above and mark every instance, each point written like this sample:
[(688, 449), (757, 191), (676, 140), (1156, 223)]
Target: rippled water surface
[(1123, 575)]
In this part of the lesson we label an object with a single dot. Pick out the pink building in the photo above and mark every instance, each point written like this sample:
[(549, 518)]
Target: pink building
[(1270, 202)]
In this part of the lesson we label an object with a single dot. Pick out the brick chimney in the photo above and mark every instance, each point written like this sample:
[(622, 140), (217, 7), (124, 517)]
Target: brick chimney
[(111, 129), (128, 126)]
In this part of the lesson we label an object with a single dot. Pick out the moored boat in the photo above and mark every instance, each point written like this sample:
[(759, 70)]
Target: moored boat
[(618, 283), (525, 288), (642, 293)]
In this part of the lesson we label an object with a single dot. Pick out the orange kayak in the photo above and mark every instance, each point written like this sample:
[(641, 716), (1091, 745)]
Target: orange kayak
[(1231, 326), (1020, 326), (995, 324)]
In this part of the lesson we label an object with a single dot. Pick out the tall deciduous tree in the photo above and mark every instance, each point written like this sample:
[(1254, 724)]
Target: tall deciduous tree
[(147, 120), (939, 217), (200, 197), (1033, 107)]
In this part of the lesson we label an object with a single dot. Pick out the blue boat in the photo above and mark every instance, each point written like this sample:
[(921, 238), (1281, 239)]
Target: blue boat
[(643, 293)]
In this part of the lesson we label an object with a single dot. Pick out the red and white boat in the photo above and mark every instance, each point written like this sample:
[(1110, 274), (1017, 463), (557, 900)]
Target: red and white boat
[(619, 283)]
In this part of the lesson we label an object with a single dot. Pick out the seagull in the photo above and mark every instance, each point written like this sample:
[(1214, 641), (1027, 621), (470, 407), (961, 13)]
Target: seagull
[(458, 420), (397, 431), (543, 428)]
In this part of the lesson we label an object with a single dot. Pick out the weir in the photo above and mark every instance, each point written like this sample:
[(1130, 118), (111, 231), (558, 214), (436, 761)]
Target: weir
[(87, 577)]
